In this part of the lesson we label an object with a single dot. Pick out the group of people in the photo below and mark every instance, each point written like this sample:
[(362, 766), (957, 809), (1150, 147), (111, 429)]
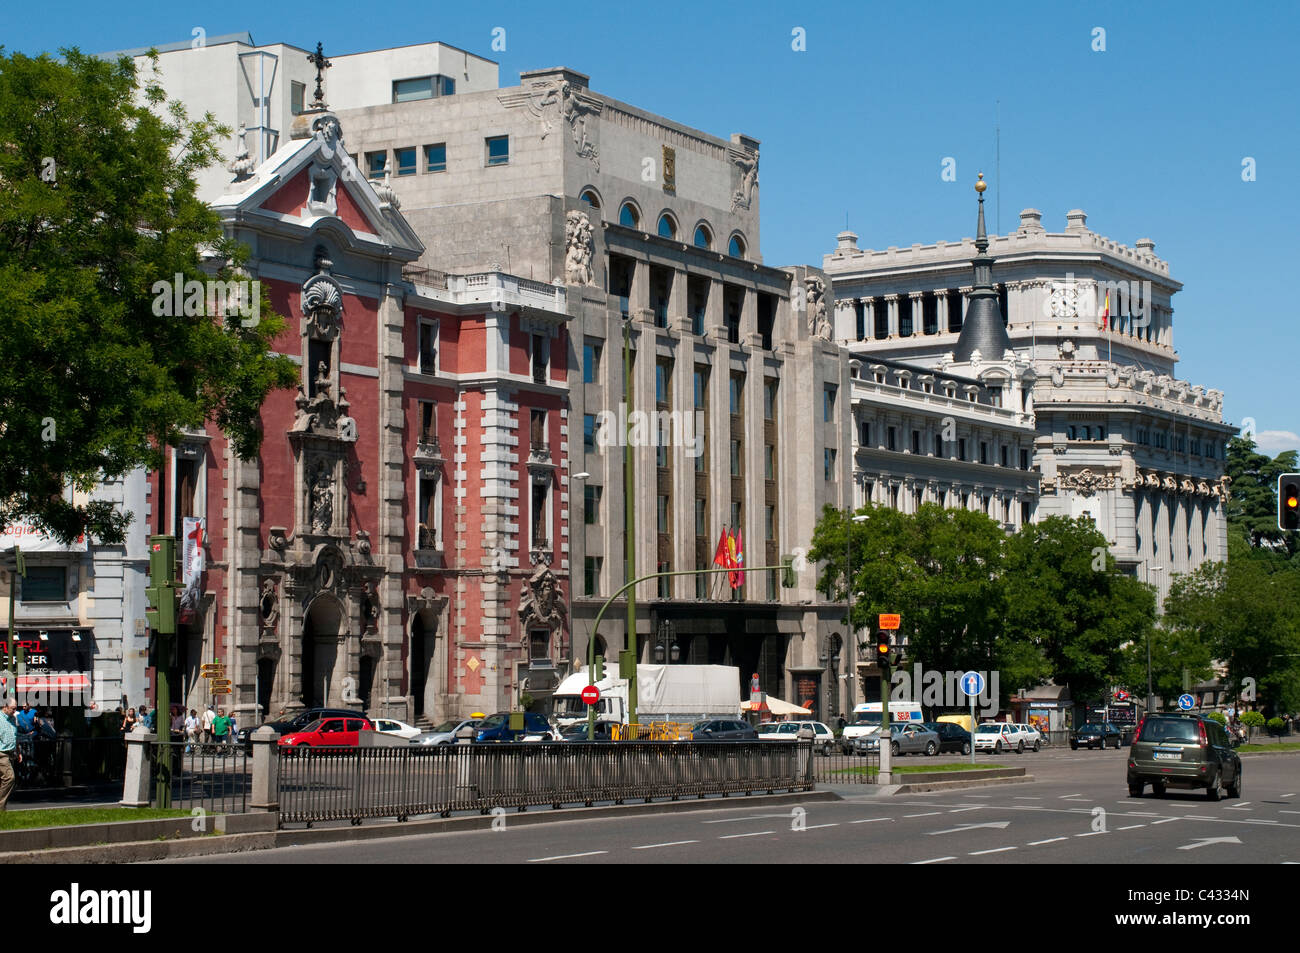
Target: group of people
[(212, 727)]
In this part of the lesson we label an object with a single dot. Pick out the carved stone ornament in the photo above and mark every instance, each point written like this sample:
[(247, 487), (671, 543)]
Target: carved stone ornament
[(1066, 349), (322, 499), (577, 249), (370, 608), (560, 101), (321, 301), (1065, 300), (542, 605), (329, 571), (1085, 482), (1058, 376), (819, 324), (269, 605), (745, 177), (279, 539), (242, 164), (363, 543)]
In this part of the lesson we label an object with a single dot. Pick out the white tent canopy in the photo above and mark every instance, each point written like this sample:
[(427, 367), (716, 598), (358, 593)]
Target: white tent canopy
[(778, 707)]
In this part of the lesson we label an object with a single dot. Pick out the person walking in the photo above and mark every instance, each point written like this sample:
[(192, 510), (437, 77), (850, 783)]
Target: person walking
[(128, 721), (234, 729), (209, 717), (191, 731), (10, 756), (220, 726)]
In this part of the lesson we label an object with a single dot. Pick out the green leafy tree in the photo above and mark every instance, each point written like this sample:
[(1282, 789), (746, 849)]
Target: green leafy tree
[(1069, 612), (1173, 652), (97, 203), (1252, 504)]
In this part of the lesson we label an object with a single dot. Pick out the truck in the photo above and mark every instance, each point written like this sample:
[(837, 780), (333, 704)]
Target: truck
[(867, 718), (682, 693)]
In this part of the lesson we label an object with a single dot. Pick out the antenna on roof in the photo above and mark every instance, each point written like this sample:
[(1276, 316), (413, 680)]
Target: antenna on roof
[(997, 163)]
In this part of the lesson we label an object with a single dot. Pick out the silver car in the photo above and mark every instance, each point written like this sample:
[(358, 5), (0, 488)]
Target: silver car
[(445, 734), (905, 738)]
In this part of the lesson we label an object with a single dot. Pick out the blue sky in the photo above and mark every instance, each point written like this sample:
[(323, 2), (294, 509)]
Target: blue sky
[(1147, 136)]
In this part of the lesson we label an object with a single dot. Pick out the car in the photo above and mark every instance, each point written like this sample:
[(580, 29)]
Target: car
[(391, 726), (722, 729), (445, 733), (329, 733), (497, 728), (905, 738), (292, 723), (1183, 751), (823, 737), (1095, 734), (867, 718), (996, 736), (1030, 735), (604, 731), (952, 737)]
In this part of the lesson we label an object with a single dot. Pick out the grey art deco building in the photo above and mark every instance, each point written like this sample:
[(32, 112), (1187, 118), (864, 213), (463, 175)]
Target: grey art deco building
[(1116, 435)]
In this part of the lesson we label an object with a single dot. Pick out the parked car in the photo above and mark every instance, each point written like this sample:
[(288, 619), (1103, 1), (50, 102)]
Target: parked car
[(1030, 735), (823, 737), (1095, 734), (996, 736), (578, 731), (391, 726), (329, 732), (497, 728), (297, 722), (907, 738), (722, 729), (952, 737), (1183, 751), (445, 733)]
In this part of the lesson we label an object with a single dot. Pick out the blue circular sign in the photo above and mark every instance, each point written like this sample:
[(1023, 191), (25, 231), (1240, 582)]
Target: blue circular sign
[(1186, 702), (972, 683)]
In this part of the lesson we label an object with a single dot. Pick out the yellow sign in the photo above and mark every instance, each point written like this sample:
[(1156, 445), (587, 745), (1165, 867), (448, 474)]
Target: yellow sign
[(890, 622)]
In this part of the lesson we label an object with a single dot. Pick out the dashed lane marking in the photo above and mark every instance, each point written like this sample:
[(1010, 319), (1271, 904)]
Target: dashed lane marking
[(1130, 827), (675, 843), (995, 850), (933, 860), (928, 814), (871, 820), (1050, 840), (1167, 820), (813, 827), (1090, 834), (590, 853), (752, 834)]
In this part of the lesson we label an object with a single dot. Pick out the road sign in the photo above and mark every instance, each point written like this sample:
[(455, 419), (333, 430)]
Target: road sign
[(221, 691), (220, 684), (213, 669), (890, 622), (591, 694), (1186, 702), (972, 683)]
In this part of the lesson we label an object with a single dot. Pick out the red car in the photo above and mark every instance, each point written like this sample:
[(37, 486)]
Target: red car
[(333, 732)]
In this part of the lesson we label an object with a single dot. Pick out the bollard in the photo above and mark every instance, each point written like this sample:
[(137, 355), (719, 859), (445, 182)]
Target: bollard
[(465, 788), (266, 770), (806, 736), (138, 785)]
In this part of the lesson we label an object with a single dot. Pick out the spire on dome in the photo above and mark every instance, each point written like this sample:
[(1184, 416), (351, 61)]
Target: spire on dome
[(983, 329)]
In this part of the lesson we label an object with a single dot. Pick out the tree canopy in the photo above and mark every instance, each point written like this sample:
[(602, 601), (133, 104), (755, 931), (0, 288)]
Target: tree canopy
[(97, 204)]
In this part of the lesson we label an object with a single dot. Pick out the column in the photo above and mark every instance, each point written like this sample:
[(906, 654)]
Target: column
[(868, 318), (846, 319), (679, 304), (941, 300), (916, 303), (639, 297), (714, 330), (891, 302), (749, 335)]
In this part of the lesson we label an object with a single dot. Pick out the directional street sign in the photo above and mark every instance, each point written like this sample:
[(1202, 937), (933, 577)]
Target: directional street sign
[(972, 683), (1186, 702)]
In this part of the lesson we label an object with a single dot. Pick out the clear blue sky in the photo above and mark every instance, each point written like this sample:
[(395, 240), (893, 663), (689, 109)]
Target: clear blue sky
[(1148, 137)]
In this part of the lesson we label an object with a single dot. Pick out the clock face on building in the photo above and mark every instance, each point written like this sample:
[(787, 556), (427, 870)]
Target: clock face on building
[(1065, 301)]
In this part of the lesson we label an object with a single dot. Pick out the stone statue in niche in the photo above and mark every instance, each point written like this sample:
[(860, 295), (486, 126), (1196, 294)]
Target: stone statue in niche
[(269, 604), (819, 324), (541, 604), (578, 249), (369, 608), (322, 499)]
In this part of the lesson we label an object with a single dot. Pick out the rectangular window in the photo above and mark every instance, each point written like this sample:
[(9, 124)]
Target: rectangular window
[(735, 458), (916, 441), (541, 357), (769, 462), (428, 347), (736, 396), (828, 463), (427, 515), (701, 388), (538, 431), (661, 513), (665, 583), (409, 90), (769, 400), (1024, 458), (591, 574), (590, 363), (435, 158), (297, 92), (735, 518), (498, 150), (376, 162), (591, 504), (864, 434), (938, 445), (1004, 455), (961, 448), (701, 581), (589, 433), (661, 455), (828, 404), (428, 421), (45, 584), (892, 434), (663, 376), (984, 451), (769, 522), (405, 159), (539, 537), (701, 517)]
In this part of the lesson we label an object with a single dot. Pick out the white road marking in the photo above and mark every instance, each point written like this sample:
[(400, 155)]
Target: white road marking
[(958, 810), (1130, 827), (1289, 812), (1090, 834), (933, 860), (675, 843), (590, 853), (1198, 817), (1167, 820), (1144, 813), (1210, 840), (1292, 794), (871, 820), (995, 850), (813, 827), (1051, 840), (747, 817), (753, 834), (1259, 820), (930, 814), (1236, 807), (1018, 798), (1064, 796), (999, 825)]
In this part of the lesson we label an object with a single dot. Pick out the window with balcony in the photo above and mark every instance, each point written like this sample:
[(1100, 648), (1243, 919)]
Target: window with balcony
[(541, 347)]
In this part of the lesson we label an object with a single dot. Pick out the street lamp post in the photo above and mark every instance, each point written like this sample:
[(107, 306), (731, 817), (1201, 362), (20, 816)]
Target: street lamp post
[(1150, 694)]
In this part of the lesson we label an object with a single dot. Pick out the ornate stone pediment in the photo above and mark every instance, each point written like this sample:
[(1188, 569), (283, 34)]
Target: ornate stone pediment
[(321, 301), (1086, 483), (542, 603)]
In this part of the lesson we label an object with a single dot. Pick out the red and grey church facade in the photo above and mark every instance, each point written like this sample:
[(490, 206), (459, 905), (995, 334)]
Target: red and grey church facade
[(400, 542)]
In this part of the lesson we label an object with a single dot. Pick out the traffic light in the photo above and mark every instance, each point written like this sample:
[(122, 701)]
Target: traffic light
[(1288, 501), (884, 648)]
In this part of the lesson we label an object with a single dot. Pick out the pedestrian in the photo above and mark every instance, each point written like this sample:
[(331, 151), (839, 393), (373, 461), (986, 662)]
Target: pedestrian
[(191, 730), (26, 719), (234, 728), (220, 726), (209, 717), (10, 756), (128, 721), (178, 725)]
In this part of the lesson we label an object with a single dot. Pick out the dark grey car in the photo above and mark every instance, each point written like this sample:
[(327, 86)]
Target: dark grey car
[(905, 738), (722, 729), (1183, 751)]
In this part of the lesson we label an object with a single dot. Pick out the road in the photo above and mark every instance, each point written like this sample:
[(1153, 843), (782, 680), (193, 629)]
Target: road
[(1077, 812)]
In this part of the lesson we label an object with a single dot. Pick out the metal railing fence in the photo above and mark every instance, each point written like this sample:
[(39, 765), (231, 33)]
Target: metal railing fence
[(215, 777)]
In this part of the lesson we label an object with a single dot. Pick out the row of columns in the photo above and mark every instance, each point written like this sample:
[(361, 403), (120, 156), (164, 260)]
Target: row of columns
[(913, 301), (874, 488)]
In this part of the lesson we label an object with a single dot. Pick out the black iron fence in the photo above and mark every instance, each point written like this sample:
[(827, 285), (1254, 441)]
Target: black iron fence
[(330, 784), (216, 778), (838, 766), (64, 761)]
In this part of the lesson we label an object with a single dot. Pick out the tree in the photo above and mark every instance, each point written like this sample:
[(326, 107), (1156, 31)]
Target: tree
[(97, 204), (1252, 504), (1067, 605), (1174, 651)]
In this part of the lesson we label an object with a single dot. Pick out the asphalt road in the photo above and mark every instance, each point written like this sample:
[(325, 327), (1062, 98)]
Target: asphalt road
[(1076, 812)]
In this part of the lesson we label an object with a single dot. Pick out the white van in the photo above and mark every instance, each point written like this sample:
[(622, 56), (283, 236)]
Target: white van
[(867, 716)]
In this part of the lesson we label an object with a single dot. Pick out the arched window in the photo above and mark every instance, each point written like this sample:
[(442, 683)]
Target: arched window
[(736, 247), (590, 199), (629, 216), (667, 227), (703, 238)]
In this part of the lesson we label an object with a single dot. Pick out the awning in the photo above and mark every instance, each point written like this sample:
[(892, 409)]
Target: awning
[(775, 706)]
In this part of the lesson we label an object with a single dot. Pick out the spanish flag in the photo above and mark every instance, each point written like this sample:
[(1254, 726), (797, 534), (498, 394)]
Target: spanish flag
[(1105, 315)]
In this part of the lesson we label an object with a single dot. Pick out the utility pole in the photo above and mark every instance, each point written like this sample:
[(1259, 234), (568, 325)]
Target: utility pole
[(14, 657), (629, 526), (161, 614)]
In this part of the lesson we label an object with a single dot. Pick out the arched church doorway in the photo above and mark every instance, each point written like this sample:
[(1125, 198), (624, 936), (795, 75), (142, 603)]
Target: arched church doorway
[(321, 655)]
